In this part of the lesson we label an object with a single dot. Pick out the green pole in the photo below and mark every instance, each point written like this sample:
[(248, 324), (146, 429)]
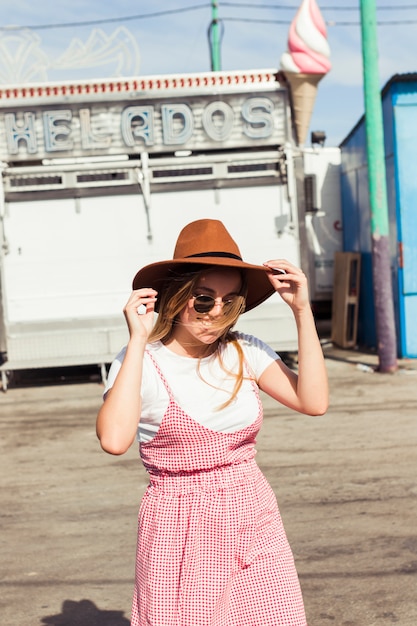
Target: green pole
[(381, 267), (215, 37)]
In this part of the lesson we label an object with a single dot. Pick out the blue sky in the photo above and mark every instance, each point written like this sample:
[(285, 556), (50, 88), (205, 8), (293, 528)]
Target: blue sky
[(177, 43)]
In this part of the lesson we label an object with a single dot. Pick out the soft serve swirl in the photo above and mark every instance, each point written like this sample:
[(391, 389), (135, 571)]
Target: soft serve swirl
[(308, 50)]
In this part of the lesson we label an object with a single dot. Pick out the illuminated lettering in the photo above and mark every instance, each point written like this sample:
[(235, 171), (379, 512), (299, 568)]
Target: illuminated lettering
[(156, 125), (217, 120), (177, 123), (257, 113), (137, 123), (88, 139), (56, 133), (17, 132)]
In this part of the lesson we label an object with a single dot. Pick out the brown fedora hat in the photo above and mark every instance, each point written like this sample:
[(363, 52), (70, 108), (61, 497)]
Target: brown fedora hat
[(207, 242)]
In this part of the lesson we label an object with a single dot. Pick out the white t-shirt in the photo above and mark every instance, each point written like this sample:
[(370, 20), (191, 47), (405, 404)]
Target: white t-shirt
[(199, 386)]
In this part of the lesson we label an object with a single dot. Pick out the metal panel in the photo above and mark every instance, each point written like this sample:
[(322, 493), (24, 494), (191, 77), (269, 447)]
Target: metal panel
[(406, 137), (324, 220), (406, 184), (70, 264), (64, 343), (409, 328)]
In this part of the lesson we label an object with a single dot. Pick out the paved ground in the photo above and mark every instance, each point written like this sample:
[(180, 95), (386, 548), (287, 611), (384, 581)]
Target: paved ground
[(346, 484)]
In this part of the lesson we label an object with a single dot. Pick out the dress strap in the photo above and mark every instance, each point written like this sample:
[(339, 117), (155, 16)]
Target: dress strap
[(254, 384), (160, 374)]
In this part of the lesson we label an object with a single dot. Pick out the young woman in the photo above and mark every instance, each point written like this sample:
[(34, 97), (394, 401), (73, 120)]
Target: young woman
[(212, 550)]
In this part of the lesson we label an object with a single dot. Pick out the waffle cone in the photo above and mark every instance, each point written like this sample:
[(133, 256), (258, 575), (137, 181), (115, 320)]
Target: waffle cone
[(303, 89)]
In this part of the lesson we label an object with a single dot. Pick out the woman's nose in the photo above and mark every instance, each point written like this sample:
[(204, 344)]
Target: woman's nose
[(217, 308)]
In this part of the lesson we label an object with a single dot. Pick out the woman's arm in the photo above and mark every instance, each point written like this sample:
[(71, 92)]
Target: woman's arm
[(307, 391), (118, 418)]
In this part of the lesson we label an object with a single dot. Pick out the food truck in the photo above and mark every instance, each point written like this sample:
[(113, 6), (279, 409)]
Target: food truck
[(98, 178)]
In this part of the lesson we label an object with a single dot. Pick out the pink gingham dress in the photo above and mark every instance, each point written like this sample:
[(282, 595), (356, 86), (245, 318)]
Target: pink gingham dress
[(212, 550)]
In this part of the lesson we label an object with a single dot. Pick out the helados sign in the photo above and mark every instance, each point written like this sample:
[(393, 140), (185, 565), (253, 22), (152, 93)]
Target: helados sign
[(205, 121)]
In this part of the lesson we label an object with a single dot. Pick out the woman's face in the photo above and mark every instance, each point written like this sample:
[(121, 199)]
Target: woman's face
[(195, 328)]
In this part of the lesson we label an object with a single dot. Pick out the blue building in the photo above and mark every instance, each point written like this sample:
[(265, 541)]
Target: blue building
[(399, 102)]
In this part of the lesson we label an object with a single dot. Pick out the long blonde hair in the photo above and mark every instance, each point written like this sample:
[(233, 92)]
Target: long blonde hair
[(177, 290)]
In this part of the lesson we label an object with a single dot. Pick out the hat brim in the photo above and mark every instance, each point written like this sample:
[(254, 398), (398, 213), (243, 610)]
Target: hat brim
[(259, 285)]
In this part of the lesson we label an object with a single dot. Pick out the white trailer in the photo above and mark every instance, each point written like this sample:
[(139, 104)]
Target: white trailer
[(98, 179), (323, 219)]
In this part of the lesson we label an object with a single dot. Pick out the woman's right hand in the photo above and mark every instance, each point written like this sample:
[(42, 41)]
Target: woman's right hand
[(139, 312)]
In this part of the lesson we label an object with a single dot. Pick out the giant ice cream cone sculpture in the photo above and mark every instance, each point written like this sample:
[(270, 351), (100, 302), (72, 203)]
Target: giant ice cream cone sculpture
[(305, 63)]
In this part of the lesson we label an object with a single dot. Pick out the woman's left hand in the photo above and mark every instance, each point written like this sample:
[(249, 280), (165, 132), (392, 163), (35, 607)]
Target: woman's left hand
[(290, 282)]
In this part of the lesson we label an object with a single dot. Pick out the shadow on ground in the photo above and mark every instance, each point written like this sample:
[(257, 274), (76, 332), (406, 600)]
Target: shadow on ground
[(85, 613)]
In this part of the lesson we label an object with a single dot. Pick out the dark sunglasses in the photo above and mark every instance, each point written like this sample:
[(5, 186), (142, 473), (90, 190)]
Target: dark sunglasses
[(204, 303)]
